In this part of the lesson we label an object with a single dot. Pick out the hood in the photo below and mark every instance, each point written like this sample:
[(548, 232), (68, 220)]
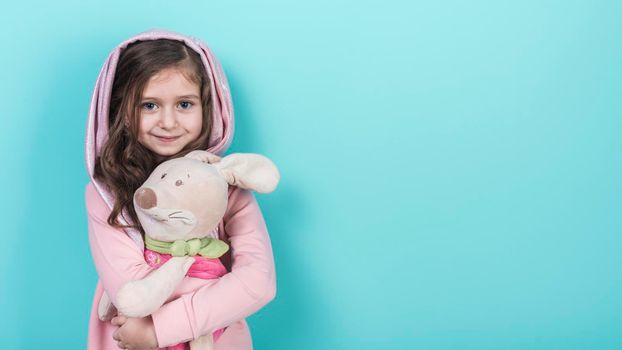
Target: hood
[(97, 124)]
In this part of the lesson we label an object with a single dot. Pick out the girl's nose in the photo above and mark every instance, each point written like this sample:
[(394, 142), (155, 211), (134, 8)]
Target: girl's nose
[(168, 118)]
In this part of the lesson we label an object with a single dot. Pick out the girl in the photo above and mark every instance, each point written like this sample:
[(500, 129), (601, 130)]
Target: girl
[(161, 95)]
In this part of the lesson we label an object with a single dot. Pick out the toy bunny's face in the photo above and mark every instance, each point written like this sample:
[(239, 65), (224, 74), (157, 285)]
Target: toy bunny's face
[(183, 198)]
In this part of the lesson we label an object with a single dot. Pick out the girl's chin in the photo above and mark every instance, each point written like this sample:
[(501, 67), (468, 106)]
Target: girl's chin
[(165, 151)]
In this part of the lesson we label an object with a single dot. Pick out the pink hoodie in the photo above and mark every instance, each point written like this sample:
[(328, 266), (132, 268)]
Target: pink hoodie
[(198, 306)]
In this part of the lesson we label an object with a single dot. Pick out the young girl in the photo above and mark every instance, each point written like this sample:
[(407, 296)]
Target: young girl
[(161, 95)]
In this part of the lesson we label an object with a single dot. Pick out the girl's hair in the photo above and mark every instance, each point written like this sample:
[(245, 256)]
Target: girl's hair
[(125, 164)]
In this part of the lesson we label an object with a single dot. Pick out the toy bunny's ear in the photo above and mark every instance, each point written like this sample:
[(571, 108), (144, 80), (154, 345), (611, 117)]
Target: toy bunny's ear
[(250, 171)]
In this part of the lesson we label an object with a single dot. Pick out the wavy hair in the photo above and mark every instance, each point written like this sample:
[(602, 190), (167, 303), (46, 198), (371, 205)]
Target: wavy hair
[(124, 164)]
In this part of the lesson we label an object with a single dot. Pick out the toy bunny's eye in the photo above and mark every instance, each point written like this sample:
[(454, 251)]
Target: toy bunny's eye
[(163, 175), (179, 183)]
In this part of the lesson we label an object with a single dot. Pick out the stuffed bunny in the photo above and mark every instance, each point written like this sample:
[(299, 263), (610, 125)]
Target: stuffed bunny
[(179, 207)]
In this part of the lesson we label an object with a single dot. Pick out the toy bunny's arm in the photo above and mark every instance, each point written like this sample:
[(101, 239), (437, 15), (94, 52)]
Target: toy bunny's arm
[(140, 298), (116, 257)]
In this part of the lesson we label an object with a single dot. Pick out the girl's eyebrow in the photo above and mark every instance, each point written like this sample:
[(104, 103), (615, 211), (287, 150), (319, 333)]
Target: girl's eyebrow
[(178, 97)]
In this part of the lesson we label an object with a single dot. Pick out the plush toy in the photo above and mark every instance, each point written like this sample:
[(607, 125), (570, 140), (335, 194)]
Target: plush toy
[(179, 207)]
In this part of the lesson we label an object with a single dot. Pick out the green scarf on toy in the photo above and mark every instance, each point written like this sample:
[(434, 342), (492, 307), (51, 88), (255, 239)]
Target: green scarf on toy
[(207, 247)]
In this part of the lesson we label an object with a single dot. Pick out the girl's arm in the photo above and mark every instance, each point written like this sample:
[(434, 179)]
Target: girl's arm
[(249, 286), (116, 257)]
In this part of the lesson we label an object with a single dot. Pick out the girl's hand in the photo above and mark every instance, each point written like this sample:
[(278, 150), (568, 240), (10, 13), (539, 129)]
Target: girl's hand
[(204, 156), (135, 333)]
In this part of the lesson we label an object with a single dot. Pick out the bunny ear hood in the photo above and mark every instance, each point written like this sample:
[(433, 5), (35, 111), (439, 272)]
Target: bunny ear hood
[(97, 124)]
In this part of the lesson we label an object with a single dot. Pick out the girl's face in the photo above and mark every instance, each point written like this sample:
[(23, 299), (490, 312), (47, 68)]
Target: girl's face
[(171, 115)]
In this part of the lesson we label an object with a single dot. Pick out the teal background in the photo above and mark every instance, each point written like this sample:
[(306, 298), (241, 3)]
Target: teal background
[(450, 169)]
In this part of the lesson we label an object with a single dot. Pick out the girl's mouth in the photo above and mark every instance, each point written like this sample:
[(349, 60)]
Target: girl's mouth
[(167, 139)]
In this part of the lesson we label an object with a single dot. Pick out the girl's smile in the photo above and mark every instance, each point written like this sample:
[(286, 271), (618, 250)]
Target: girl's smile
[(167, 139)]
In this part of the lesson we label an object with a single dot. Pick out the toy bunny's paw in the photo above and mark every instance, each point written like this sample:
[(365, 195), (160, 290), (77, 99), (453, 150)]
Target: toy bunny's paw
[(204, 156), (106, 310), (131, 300)]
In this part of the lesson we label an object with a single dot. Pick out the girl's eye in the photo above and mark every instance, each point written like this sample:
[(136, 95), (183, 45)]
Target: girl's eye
[(149, 106), (179, 183), (185, 104)]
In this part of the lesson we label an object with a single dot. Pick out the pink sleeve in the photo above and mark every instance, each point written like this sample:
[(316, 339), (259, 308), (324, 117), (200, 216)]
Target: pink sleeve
[(249, 286), (116, 257)]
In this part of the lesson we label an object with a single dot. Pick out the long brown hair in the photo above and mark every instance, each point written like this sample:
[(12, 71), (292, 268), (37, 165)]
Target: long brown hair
[(124, 164)]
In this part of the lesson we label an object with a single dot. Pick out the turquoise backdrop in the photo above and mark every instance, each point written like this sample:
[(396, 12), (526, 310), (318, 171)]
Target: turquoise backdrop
[(450, 169)]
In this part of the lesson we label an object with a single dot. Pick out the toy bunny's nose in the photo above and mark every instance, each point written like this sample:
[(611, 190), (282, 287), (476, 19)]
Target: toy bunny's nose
[(146, 198)]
